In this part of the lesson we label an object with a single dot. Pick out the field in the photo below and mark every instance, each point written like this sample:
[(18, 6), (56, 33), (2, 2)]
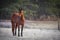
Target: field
[(33, 30)]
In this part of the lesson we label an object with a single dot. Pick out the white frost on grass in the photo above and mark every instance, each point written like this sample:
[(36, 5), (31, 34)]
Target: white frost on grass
[(32, 34)]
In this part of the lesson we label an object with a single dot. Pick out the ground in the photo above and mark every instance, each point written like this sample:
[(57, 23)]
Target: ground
[(32, 31), (30, 34)]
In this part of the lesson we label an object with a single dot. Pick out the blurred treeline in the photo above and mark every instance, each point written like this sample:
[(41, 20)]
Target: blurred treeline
[(33, 9)]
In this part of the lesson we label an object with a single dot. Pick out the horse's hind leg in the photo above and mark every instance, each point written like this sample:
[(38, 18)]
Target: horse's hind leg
[(22, 30)]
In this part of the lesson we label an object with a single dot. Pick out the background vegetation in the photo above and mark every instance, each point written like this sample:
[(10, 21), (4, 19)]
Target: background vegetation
[(33, 9)]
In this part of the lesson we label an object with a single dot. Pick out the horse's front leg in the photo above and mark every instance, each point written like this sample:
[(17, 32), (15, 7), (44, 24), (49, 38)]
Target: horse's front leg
[(15, 28), (18, 30), (22, 30)]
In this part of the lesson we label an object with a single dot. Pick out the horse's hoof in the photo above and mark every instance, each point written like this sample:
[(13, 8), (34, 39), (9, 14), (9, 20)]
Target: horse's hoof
[(18, 35), (21, 35), (14, 35)]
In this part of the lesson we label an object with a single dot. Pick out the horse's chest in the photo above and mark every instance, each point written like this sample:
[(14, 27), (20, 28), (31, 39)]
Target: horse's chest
[(17, 19)]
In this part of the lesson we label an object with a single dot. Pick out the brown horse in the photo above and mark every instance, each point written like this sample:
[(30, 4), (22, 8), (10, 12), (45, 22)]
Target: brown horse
[(17, 19)]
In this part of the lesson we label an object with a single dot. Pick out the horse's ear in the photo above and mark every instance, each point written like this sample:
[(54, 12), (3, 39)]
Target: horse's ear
[(20, 9)]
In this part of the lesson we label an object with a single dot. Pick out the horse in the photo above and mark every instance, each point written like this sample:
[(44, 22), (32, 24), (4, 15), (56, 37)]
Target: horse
[(17, 20)]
